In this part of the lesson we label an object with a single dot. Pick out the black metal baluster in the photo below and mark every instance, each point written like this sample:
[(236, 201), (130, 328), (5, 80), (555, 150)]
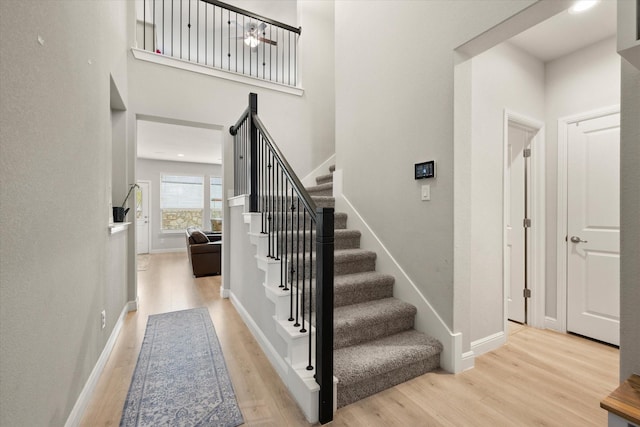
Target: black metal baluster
[(264, 46), (278, 213), (298, 261), (229, 40), (144, 25), (304, 265), (269, 203), (198, 32), (243, 43), (292, 269), (289, 61), (285, 208), (189, 33), (163, 32), (206, 33), (277, 50), (295, 60), (180, 29), (270, 52), (153, 32), (221, 41), (213, 41), (310, 365), (236, 42), (171, 28)]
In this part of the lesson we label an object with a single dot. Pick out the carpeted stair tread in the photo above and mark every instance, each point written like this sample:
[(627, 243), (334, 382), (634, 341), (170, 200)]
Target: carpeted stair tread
[(321, 190), (360, 287), (371, 320), (373, 366), (343, 239), (323, 179)]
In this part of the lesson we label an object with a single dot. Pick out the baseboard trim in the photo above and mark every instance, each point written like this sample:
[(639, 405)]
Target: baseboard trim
[(268, 349), (310, 179), (552, 323), (488, 343), (168, 251), (87, 391), (224, 293), (468, 360), (132, 305)]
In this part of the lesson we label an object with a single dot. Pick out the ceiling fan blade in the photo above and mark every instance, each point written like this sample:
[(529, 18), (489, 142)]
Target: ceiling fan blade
[(271, 42)]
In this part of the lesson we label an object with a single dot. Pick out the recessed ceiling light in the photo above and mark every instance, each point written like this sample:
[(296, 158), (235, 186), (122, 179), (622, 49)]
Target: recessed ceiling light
[(582, 6), (180, 155)]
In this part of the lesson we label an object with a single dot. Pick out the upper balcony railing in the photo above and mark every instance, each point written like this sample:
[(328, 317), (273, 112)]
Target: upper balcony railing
[(218, 35)]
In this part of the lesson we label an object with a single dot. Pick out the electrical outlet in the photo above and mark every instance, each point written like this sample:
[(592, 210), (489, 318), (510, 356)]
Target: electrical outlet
[(103, 318)]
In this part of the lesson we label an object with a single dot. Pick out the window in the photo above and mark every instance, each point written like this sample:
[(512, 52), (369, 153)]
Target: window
[(216, 203), (181, 201)]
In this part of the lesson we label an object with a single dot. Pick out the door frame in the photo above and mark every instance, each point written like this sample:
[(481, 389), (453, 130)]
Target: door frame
[(148, 182), (560, 322), (536, 242)]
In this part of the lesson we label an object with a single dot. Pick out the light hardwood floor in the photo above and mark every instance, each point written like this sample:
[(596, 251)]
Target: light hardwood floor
[(539, 378)]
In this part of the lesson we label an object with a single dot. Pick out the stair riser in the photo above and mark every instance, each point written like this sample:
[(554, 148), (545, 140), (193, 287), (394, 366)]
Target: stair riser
[(325, 179), (326, 192), (340, 221), (354, 334), (353, 392), (339, 267), (340, 242), (362, 294), (278, 203)]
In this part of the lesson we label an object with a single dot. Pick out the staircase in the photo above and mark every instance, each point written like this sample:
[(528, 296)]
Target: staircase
[(375, 345)]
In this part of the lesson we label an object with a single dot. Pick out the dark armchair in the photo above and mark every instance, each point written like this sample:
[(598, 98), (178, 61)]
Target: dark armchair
[(205, 250)]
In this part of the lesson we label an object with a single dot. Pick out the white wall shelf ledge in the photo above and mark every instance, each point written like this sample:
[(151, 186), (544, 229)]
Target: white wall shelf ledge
[(117, 227)]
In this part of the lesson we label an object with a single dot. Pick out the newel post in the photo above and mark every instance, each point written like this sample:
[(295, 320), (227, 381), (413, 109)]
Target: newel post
[(253, 196), (324, 312)]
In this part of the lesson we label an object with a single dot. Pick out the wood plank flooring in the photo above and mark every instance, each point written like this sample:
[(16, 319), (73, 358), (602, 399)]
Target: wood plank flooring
[(539, 378)]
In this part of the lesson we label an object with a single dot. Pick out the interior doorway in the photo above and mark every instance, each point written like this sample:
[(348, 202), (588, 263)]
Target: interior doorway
[(519, 220), (589, 217), (143, 227)]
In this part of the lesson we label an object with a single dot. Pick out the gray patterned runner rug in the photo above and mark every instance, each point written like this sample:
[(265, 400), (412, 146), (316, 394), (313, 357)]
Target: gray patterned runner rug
[(181, 378)]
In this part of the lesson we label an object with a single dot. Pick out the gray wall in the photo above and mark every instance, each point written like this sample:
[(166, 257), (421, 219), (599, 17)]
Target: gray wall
[(630, 223), (55, 169), (394, 108), (503, 77), (151, 170)]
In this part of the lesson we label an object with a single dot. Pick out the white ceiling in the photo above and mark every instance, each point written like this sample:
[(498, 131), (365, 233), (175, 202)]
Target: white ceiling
[(566, 33), (165, 141)]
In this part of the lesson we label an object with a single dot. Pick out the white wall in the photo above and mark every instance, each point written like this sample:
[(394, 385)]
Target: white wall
[(394, 108), (55, 169), (504, 77), (585, 80), (152, 170)]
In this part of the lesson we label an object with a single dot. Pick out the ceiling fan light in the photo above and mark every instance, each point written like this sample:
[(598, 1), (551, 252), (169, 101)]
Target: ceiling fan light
[(582, 6), (251, 41)]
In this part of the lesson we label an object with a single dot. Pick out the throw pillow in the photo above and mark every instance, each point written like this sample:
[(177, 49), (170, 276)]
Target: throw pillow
[(198, 236)]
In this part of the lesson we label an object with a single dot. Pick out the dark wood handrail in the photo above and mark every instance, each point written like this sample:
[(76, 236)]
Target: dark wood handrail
[(307, 201), (233, 130), (254, 15)]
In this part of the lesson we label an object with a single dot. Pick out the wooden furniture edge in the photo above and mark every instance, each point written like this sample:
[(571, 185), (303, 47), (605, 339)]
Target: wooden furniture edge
[(625, 400)]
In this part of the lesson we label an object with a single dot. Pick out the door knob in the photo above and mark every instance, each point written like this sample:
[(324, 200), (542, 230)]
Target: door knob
[(576, 239)]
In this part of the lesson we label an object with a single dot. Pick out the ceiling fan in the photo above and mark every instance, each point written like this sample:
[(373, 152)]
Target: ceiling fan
[(253, 33)]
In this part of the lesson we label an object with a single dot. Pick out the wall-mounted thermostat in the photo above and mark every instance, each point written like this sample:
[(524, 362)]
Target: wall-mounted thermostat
[(425, 170)]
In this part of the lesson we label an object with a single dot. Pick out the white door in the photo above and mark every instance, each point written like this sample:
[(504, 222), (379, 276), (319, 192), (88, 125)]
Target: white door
[(517, 181), (142, 217), (593, 228)]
